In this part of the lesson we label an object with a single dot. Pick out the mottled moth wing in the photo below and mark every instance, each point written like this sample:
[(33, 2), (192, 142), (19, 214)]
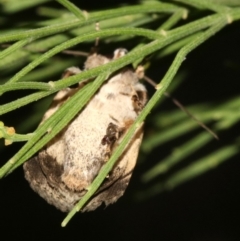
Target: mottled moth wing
[(63, 170)]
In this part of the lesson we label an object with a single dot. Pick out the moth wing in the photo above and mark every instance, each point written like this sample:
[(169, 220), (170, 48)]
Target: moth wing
[(44, 170), (115, 185), (44, 176)]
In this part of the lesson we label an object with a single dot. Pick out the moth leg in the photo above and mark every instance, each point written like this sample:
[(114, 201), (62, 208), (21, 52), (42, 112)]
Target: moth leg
[(113, 133), (70, 72), (63, 94)]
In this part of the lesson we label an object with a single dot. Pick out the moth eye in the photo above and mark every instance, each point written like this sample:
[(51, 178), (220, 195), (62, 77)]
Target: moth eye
[(141, 95)]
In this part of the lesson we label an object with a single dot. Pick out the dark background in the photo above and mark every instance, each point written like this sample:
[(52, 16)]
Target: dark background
[(203, 209)]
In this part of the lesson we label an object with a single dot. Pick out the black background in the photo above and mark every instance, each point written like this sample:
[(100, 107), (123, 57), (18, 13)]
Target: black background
[(204, 209)]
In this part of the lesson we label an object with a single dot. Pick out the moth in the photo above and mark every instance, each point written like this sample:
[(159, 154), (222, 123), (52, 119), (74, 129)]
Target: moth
[(67, 165)]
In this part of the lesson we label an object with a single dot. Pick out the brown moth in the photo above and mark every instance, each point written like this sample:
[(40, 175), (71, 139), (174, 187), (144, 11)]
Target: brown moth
[(63, 170)]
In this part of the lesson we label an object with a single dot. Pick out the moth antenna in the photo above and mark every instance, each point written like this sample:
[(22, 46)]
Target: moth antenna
[(177, 103), (5, 45), (82, 53), (150, 81), (180, 106), (76, 53), (97, 28)]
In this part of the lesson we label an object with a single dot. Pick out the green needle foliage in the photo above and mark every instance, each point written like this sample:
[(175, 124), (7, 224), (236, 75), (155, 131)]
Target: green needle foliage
[(32, 53)]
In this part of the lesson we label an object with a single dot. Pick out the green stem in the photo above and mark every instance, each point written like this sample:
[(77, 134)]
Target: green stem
[(73, 9), (206, 4), (93, 18)]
